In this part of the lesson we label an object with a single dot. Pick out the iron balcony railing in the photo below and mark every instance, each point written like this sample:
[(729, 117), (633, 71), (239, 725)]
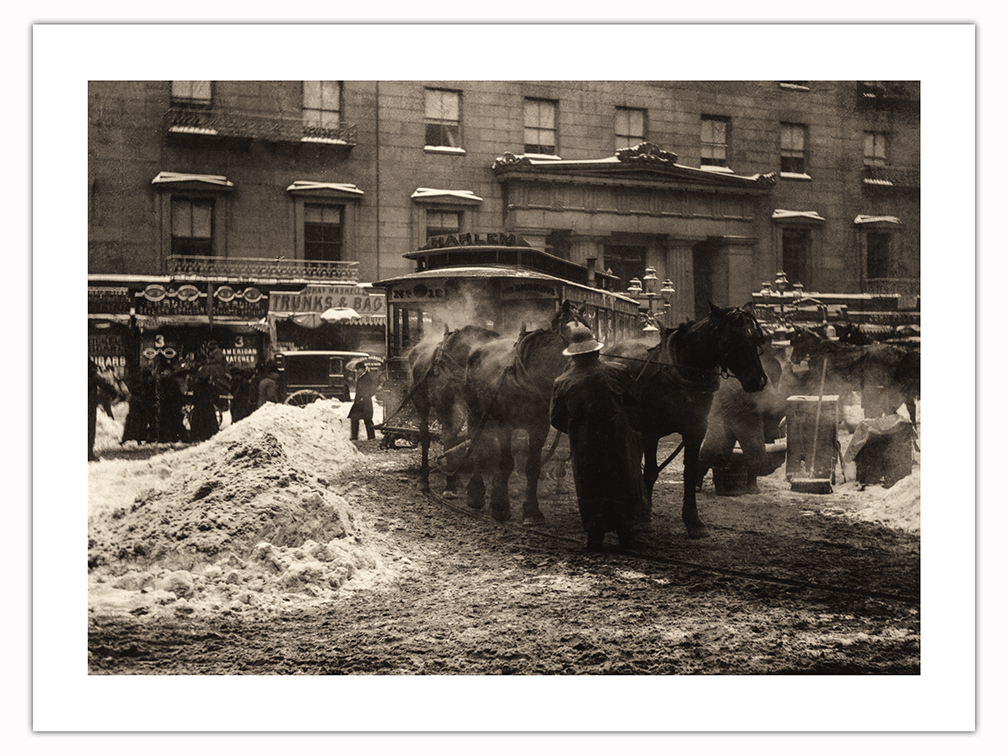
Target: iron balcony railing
[(901, 178), (268, 128), (255, 268), (904, 287)]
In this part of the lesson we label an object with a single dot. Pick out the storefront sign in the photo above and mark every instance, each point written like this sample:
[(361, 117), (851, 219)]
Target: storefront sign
[(159, 301), (528, 290), (247, 356), (108, 300), (318, 299), (108, 350)]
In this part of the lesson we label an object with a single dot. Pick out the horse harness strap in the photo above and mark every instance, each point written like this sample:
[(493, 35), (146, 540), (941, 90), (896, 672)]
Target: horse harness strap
[(524, 379)]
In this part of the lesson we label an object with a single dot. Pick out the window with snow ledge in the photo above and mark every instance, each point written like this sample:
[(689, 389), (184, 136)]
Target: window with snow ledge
[(795, 176), (443, 150), (801, 86), (442, 119)]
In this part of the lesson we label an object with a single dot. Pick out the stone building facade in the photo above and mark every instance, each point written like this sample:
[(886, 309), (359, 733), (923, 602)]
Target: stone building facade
[(717, 185)]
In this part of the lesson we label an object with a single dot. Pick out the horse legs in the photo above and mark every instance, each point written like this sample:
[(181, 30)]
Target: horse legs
[(695, 527), (750, 438), (424, 484), (500, 502), (533, 469), (650, 474)]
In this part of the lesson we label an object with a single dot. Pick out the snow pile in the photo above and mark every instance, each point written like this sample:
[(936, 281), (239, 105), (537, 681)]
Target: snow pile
[(897, 507), (109, 430), (248, 520)]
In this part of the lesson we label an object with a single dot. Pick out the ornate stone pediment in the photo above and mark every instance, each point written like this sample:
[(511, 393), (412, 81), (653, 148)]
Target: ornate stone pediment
[(646, 152), (509, 160)]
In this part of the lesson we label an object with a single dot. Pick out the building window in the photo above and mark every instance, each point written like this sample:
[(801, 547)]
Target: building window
[(191, 93), (321, 103), (874, 148), (323, 232), (625, 262), (629, 127), (878, 263), (192, 227), (792, 148), (795, 251), (540, 127), (441, 118), (714, 141), (442, 223)]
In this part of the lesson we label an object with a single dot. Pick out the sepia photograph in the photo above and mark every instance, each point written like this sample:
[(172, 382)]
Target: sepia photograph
[(601, 380)]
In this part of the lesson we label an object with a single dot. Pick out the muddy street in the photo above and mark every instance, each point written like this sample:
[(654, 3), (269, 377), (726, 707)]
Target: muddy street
[(788, 583)]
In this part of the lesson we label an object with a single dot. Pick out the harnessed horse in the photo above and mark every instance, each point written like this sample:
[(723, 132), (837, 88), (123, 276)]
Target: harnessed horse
[(508, 386), (676, 380), (887, 375), (438, 373)]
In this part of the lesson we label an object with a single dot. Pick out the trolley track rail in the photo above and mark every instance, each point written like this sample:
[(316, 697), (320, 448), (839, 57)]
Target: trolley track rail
[(553, 541)]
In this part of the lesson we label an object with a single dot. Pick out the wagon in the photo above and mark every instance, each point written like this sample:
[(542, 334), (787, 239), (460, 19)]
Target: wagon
[(306, 376)]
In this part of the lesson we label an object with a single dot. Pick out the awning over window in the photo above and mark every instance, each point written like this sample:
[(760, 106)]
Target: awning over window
[(779, 215), (447, 196), (192, 181), (325, 189), (872, 219)]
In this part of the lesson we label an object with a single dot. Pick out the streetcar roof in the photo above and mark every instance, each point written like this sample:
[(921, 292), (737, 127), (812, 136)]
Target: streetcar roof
[(491, 272)]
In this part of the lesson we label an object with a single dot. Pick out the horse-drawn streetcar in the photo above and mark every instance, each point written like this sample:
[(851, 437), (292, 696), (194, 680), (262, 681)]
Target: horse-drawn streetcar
[(500, 287)]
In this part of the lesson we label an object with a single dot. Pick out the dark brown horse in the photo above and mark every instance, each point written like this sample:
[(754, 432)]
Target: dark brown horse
[(437, 373), (677, 380), (508, 385)]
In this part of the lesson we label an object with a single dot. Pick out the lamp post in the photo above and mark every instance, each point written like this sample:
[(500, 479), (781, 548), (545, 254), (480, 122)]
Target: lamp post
[(648, 289)]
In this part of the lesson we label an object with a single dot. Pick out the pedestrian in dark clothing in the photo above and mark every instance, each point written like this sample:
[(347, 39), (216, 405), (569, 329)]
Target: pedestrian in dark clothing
[(203, 421), (594, 404), (169, 401), (99, 389), (140, 424), (269, 386), (368, 382)]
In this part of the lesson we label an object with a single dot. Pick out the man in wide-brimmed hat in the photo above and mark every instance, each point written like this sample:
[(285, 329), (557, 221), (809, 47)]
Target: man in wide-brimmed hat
[(595, 404)]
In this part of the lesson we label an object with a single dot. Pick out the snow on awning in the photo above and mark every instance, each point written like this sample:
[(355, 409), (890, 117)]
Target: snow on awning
[(168, 177), (862, 219), (458, 196), (324, 187), (780, 214), (339, 314)]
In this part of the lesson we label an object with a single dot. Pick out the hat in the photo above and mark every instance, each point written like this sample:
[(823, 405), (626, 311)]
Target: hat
[(581, 342)]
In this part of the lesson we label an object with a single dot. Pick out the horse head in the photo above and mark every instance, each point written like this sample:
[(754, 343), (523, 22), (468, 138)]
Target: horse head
[(739, 340), (566, 317)]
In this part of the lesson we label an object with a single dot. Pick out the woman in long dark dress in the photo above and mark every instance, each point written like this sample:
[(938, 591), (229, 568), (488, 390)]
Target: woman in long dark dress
[(170, 427)]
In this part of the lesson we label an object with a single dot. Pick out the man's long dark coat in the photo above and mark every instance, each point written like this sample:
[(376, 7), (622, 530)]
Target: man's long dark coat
[(595, 405)]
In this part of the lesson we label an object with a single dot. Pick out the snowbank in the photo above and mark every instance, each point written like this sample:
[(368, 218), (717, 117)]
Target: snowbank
[(249, 519)]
